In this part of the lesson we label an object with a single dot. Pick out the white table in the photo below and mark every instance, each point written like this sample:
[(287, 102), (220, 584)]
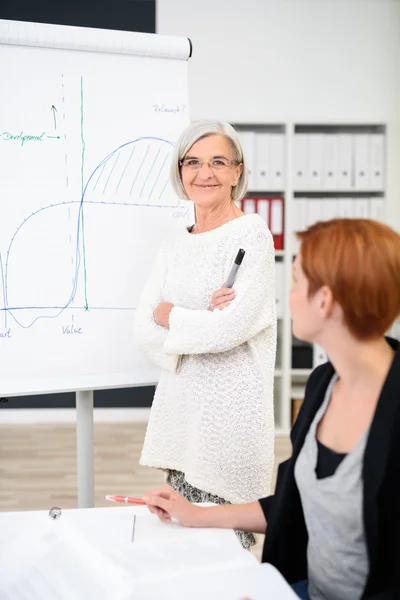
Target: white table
[(163, 562)]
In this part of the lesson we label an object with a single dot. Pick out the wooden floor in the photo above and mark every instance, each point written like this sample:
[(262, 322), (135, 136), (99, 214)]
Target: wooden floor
[(38, 465)]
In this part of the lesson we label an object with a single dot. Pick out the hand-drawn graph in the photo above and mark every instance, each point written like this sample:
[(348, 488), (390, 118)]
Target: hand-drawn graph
[(87, 131), (133, 176)]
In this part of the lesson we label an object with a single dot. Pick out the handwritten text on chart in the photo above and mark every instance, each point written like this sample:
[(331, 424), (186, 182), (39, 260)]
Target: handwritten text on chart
[(5, 334), (24, 137), (181, 213), (70, 329), (169, 109)]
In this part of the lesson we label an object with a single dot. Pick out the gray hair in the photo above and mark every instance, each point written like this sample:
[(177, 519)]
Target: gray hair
[(192, 134)]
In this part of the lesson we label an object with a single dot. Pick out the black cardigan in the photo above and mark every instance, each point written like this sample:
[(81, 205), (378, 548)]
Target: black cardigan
[(286, 538)]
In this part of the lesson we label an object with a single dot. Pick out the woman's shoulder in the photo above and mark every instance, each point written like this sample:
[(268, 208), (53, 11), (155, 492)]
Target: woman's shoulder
[(253, 227), (314, 394), (245, 227), (323, 373), (256, 239), (252, 222)]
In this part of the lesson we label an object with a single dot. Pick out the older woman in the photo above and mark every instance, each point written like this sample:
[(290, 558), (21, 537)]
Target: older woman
[(211, 425), (334, 521)]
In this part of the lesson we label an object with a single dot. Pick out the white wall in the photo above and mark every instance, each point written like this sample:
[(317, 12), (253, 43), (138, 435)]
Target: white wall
[(295, 60)]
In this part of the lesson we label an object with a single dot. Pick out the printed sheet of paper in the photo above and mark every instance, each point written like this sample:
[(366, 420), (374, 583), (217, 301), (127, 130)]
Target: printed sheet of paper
[(50, 560), (90, 554), (107, 527), (157, 562), (257, 582)]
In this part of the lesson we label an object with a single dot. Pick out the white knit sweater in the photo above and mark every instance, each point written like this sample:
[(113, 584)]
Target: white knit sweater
[(212, 416)]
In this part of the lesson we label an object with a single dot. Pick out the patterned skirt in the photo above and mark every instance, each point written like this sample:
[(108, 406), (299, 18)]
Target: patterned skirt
[(176, 479)]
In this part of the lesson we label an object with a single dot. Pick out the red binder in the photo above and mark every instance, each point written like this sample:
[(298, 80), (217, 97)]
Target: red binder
[(249, 205), (276, 221), (271, 210)]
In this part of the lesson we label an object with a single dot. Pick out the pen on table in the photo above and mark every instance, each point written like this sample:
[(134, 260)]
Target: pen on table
[(125, 499), (235, 267)]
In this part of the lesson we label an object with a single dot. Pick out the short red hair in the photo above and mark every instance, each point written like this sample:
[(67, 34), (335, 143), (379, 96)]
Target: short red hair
[(359, 260)]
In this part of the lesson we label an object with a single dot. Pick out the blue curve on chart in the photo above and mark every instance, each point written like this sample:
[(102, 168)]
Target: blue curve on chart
[(62, 308)]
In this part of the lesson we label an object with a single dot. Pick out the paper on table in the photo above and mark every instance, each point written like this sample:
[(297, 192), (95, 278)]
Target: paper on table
[(164, 560), (259, 582), (108, 527), (160, 549), (51, 560), (149, 529), (92, 553)]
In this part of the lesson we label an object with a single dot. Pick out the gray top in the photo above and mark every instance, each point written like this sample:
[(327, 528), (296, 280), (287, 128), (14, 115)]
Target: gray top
[(337, 553)]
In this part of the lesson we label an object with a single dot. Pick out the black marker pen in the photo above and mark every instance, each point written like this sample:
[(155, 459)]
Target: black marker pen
[(235, 267)]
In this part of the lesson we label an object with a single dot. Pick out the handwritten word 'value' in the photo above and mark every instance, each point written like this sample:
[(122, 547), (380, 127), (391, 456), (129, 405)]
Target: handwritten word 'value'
[(71, 329)]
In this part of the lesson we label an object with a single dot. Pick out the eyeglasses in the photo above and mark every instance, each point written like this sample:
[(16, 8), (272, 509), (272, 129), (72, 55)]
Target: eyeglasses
[(217, 164)]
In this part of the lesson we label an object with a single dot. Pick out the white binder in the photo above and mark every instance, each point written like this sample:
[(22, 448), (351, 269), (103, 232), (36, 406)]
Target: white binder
[(344, 149), (377, 160), (298, 220), (276, 224), (361, 209), (377, 209), (263, 209), (299, 161), (249, 206), (247, 139), (314, 211), (330, 162), (361, 162), (263, 178), (276, 160), (314, 161), (345, 208), (330, 209), (299, 214)]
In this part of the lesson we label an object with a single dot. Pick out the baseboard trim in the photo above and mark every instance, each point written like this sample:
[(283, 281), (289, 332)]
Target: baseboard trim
[(33, 416)]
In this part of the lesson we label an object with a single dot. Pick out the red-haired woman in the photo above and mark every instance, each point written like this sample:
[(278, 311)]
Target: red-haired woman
[(333, 525)]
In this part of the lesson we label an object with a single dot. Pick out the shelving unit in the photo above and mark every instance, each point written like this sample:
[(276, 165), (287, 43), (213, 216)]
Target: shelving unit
[(321, 171)]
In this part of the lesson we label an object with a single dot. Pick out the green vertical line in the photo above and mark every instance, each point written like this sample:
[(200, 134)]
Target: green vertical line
[(159, 173), (138, 171), (82, 188), (162, 191), (111, 172), (126, 166)]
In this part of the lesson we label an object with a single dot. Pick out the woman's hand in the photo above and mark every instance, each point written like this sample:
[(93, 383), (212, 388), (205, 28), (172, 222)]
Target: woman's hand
[(166, 503), (161, 313), (222, 298)]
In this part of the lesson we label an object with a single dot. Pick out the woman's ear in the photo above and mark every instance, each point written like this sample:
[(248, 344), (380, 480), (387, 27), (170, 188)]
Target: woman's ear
[(327, 301), (239, 171)]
